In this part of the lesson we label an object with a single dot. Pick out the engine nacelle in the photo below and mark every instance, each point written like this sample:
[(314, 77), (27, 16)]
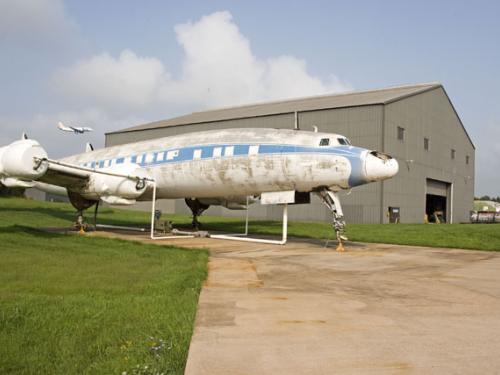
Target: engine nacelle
[(13, 182), (18, 160), (102, 185)]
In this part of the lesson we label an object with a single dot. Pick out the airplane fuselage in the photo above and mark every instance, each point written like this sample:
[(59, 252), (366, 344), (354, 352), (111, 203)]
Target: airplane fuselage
[(239, 162)]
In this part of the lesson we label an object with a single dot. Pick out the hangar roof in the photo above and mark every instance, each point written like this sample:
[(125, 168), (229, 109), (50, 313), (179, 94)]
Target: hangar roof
[(348, 99)]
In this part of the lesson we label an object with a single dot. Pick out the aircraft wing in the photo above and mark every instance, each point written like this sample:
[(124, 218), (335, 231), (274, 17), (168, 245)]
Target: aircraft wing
[(25, 163), (65, 175)]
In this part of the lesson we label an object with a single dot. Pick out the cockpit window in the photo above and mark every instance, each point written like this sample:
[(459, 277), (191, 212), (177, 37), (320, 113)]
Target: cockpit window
[(344, 141), (324, 142)]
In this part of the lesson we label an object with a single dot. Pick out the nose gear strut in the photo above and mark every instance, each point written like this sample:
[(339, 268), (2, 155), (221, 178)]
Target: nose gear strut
[(331, 200)]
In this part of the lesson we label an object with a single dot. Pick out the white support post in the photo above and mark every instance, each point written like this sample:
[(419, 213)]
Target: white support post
[(246, 218), (153, 207), (259, 240), (285, 224), (236, 237), (244, 234)]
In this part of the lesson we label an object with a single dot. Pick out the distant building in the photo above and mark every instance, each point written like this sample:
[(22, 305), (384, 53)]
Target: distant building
[(417, 124)]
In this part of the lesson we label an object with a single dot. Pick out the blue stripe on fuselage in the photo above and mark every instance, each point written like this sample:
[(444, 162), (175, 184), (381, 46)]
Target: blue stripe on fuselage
[(176, 155)]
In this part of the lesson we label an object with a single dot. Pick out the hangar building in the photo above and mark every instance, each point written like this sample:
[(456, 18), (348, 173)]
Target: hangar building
[(417, 124)]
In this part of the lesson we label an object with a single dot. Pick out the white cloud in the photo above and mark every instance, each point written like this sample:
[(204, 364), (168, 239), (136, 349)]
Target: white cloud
[(33, 21), (219, 69), (128, 82)]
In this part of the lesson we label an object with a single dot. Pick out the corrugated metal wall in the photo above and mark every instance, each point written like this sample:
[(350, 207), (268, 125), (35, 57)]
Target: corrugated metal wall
[(427, 115)]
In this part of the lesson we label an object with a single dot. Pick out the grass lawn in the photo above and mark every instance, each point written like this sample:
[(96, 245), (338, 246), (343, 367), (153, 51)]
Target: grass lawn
[(87, 305), (465, 236)]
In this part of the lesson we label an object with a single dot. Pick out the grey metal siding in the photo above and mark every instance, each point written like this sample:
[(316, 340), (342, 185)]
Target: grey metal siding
[(427, 115)]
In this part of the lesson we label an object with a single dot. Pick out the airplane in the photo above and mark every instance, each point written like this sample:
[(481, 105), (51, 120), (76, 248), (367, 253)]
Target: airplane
[(74, 129), (229, 167)]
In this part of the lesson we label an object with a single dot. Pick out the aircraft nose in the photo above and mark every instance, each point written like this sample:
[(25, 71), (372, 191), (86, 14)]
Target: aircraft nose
[(380, 166)]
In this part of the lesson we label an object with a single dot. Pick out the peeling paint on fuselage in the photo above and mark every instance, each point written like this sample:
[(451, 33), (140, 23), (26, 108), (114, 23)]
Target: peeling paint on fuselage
[(242, 162)]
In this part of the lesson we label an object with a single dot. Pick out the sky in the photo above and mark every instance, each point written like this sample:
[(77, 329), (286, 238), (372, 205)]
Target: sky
[(114, 64)]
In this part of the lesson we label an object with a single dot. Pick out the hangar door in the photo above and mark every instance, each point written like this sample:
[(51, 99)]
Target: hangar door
[(437, 201)]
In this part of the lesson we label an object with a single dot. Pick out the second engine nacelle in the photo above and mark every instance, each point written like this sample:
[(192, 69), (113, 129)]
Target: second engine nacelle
[(18, 160), (102, 185)]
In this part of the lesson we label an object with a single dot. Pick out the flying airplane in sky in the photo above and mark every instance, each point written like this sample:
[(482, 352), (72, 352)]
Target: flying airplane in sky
[(220, 167), (74, 129)]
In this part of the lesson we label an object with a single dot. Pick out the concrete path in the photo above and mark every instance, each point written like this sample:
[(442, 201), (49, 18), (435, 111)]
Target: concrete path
[(376, 309)]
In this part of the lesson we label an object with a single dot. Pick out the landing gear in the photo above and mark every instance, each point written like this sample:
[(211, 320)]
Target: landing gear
[(81, 204), (95, 215), (197, 208), (331, 200), (80, 222)]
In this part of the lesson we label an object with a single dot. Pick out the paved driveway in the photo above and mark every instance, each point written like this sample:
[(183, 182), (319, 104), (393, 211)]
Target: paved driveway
[(304, 309)]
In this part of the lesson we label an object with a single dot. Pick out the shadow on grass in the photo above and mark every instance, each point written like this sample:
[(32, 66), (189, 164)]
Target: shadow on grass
[(108, 216), (70, 215), (54, 212), (26, 230)]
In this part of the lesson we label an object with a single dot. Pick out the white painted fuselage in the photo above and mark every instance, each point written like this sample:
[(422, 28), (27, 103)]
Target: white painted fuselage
[(238, 162)]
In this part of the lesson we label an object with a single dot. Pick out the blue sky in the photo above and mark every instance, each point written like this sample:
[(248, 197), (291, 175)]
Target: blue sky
[(111, 64)]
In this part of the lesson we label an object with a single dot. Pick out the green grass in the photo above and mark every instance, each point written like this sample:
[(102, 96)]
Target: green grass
[(87, 305), (465, 236)]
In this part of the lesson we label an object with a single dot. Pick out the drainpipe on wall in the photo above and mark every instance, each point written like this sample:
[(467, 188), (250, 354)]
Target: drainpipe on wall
[(382, 211), (451, 203), (296, 121)]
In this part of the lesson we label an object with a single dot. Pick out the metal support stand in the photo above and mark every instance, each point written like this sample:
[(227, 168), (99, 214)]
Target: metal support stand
[(235, 237), (153, 207), (245, 233), (259, 240)]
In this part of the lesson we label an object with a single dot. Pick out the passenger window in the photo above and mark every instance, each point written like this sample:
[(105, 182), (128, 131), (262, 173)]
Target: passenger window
[(324, 142)]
